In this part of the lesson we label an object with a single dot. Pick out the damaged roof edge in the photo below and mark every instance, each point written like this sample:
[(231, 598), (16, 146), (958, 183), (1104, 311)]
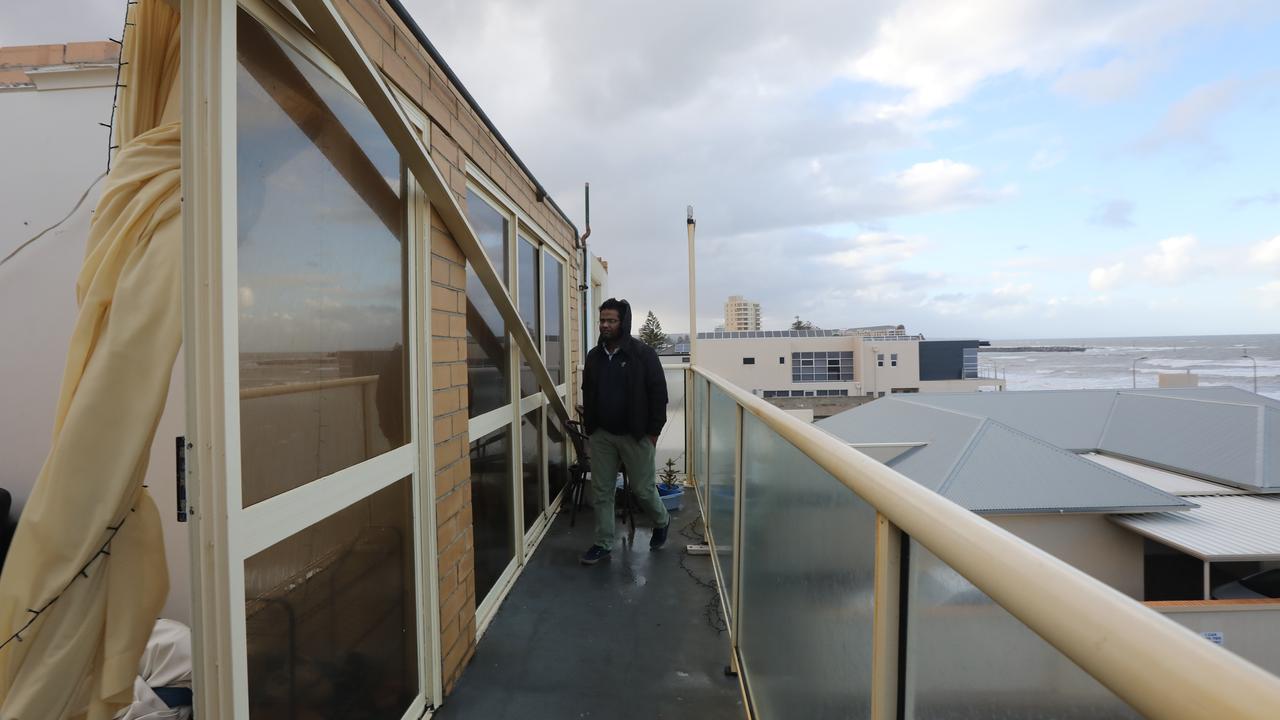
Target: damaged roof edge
[(409, 22)]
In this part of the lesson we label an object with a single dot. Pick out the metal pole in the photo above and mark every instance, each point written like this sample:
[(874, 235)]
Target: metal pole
[(1255, 371), (690, 225), (1134, 368)]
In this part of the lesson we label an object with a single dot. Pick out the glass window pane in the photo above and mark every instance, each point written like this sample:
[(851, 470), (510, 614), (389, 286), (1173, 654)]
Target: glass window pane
[(527, 266), (322, 273), (487, 361), (330, 615), (557, 456), (553, 309), (531, 466), (492, 505)]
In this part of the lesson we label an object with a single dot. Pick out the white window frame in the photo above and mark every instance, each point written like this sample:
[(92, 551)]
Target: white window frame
[(223, 533), (520, 224)]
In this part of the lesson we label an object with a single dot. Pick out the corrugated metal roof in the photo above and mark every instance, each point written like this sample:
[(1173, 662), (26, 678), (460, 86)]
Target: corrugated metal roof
[(1213, 439), (989, 467), (1070, 419), (1170, 482), (1223, 434), (1006, 471), (945, 434), (1223, 528)]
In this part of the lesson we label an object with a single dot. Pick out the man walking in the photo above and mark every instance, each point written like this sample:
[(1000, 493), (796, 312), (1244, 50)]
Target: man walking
[(624, 408)]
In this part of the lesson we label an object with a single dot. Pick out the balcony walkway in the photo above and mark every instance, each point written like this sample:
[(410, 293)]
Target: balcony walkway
[(631, 637)]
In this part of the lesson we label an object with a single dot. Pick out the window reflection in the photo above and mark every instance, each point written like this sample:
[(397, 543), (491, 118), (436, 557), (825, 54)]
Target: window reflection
[(553, 325), (531, 466), (330, 617), (321, 223), (527, 264), (557, 457), (493, 503), (487, 362)]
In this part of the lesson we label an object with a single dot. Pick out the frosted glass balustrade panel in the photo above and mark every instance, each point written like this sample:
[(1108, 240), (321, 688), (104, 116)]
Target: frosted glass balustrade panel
[(967, 657), (671, 442), (721, 460), (807, 581), (700, 435)]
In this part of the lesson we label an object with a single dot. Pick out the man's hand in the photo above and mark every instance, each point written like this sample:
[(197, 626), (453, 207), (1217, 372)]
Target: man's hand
[(653, 440)]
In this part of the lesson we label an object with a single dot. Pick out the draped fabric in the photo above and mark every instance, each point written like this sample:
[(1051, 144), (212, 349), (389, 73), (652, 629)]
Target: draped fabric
[(87, 613)]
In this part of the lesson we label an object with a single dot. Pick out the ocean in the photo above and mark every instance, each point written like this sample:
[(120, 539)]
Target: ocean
[(1108, 362)]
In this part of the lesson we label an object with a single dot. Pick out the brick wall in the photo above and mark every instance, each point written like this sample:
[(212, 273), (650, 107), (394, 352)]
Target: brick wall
[(457, 135), (15, 60)]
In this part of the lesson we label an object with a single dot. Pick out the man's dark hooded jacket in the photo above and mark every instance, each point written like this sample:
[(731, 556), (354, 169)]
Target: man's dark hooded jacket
[(628, 395)]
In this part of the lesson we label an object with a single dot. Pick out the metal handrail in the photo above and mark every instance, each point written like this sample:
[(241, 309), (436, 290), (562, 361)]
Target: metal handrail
[(1160, 668)]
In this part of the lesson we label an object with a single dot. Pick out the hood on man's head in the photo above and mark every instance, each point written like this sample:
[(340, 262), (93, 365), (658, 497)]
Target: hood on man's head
[(624, 316)]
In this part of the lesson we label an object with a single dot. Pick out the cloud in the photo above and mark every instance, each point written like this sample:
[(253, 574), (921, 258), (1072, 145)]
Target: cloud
[(1269, 198), (940, 53), (1266, 252), (876, 248), (1113, 213), (1269, 295), (1114, 80), (1103, 279), (1048, 156), (1190, 120), (1171, 262)]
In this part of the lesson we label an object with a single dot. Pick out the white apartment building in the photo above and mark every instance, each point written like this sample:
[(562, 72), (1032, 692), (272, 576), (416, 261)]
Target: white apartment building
[(836, 363), (741, 315)]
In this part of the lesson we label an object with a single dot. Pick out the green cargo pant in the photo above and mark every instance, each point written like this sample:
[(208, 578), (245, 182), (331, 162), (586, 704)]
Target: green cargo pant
[(608, 451)]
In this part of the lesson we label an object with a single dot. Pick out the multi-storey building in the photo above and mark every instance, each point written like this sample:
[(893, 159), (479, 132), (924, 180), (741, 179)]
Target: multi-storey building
[(741, 315), (838, 363)]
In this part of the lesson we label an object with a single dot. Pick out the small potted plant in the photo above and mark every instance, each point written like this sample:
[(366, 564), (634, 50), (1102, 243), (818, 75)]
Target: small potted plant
[(669, 488)]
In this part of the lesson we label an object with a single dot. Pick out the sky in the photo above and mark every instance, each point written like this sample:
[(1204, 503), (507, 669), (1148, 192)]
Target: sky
[(990, 169)]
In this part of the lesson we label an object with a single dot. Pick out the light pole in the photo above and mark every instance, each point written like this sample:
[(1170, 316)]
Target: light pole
[(1134, 369), (691, 225), (1248, 357), (875, 356)]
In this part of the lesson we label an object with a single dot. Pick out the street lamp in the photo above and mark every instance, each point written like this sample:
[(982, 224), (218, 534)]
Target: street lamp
[(1255, 370), (875, 360), (1134, 369)]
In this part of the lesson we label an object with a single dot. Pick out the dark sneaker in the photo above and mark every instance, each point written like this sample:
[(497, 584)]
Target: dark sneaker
[(659, 536), (594, 555)]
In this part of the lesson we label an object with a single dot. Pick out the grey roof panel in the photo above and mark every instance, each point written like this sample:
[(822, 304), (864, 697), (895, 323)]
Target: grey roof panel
[(1234, 527), (1217, 440), (1271, 448), (1171, 482), (989, 467), (1006, 471), (890, 420), (1070, 419)]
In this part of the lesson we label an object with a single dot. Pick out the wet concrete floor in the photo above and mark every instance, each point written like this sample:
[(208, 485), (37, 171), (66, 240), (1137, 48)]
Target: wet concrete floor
[(631, 637)]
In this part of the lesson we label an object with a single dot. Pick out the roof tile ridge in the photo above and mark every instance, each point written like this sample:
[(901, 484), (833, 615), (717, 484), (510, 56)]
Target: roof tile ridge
[(1076, 457), (970, 444)]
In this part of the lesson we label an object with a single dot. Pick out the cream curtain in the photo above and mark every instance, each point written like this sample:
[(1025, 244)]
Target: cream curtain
[(80, 656)]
